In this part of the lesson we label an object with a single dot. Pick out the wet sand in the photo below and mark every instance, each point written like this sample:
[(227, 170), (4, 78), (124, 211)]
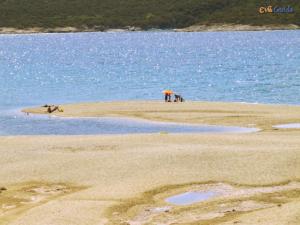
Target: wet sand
[(119, 179)]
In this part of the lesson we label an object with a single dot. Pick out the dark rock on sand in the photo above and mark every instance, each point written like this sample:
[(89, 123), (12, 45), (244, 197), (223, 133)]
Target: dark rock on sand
[(3, 189)]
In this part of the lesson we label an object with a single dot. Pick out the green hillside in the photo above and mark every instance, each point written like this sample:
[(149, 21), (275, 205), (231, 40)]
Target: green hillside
[(140, 13)]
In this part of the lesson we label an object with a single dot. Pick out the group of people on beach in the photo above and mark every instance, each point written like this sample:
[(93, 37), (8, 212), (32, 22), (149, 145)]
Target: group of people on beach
[(168, 96)]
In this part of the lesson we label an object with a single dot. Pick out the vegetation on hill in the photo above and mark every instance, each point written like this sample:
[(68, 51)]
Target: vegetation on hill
[(140, 13)]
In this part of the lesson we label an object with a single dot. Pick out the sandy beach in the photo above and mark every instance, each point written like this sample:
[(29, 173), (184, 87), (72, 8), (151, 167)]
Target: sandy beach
[(124, 179)]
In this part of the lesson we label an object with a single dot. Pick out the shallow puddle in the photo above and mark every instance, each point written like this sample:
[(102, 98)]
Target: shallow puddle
[(188, 198), (14, 123), (211, 201), (288, 126)]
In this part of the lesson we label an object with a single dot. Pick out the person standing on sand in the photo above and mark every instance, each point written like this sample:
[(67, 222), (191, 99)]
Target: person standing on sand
[(167, 97), (168, 94)]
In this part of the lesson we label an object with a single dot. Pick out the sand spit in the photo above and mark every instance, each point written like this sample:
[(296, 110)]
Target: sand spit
[(213, 113)]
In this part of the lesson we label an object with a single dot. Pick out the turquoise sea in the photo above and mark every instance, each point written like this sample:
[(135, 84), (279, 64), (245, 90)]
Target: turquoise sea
[(37, 69)]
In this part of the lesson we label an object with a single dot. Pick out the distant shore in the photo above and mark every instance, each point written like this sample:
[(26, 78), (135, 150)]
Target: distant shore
[(193, 28)]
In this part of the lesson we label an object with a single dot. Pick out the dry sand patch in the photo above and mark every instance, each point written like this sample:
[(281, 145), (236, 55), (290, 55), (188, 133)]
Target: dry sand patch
[(18, 198)]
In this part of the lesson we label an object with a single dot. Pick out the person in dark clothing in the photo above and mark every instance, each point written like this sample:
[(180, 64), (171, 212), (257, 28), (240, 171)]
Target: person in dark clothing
[(178, 98), (51, 110), (167, 97)]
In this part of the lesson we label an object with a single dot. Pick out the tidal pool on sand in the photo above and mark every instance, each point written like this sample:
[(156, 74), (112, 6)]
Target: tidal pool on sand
[(21, 124), (288, 126), (189, 198)]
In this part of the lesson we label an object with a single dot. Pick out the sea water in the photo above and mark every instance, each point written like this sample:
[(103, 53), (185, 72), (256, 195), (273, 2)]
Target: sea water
[(37, 69)]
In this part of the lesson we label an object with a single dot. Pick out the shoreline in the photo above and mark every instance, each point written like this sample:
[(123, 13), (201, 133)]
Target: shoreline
[(192, 28)]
